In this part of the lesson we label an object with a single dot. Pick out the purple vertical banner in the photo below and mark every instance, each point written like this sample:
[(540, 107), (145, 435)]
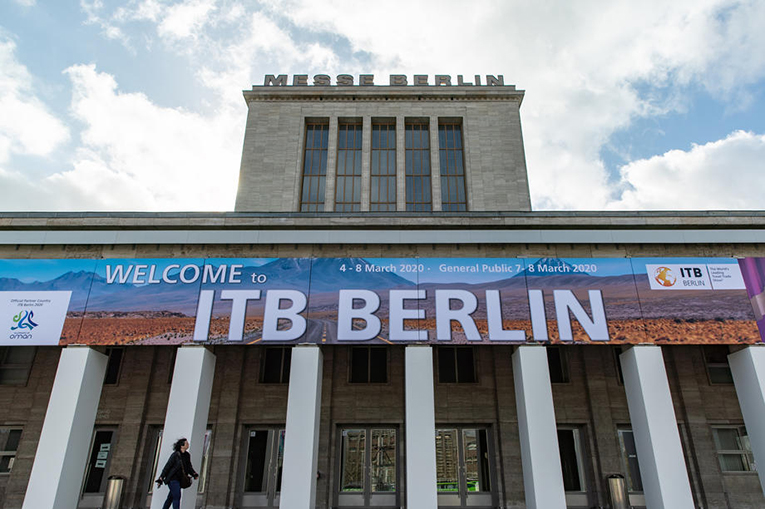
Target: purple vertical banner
[(753, 271)]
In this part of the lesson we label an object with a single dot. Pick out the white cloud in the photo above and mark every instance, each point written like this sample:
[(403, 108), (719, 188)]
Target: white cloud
[(109, 29), (186, 19), (146, 10), (724, 174), (136, 155), (580, 63), (145, 156), (590, 69), (26, 125), (90, 187), (26, 3)]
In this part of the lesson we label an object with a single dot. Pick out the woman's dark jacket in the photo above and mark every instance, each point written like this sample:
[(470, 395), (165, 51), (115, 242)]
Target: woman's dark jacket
[(173, 470)]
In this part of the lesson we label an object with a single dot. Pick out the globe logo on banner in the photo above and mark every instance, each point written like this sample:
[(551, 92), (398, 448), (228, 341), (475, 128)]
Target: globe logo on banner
[(24, 320), (664, 276)]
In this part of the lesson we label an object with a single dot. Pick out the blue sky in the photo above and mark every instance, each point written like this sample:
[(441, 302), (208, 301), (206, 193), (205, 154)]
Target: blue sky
[(136, 104)]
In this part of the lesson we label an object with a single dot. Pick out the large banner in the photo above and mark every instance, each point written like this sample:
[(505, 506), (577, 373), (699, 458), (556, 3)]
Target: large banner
[(382, 300)]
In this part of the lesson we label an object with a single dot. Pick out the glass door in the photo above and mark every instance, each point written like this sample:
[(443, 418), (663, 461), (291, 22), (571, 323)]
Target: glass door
[(263, 461), (368, 467), (463, 460), (97, 468)]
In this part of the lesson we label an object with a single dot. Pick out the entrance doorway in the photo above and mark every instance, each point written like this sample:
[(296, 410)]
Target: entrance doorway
[(263, 461), (156, 464), (463, 467), (97, 468), (368, 467)]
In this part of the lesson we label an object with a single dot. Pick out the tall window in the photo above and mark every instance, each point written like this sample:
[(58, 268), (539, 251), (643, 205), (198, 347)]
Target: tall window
[(382, 196), (618, 350), (456, 365), (9, 443), (15, 364), (453, 195), (630, 460), (557, 362), (733, 449), (348, 188), (114, 365), (418, 197), (314, 167), (571, 458), (276, 365), (369, 364), (716, 359)]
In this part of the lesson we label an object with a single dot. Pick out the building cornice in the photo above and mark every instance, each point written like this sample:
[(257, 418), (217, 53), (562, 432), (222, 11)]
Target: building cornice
[(437, 228), (384, 93)]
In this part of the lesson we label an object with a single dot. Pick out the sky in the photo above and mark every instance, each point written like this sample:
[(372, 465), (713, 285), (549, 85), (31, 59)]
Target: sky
[(137, 105)]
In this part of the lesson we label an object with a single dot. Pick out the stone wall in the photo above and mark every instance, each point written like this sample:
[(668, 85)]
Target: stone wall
[(272, 157)]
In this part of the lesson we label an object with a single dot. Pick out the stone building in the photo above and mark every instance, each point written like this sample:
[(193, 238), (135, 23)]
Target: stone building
[(454, 348)]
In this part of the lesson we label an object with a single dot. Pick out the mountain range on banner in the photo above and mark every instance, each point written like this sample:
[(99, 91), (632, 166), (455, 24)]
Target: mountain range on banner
[(77, 282), (282, 273)]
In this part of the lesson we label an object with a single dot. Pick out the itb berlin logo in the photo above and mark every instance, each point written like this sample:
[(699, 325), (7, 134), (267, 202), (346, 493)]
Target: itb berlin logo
[(686, 276), (664, 276), (23, 325)]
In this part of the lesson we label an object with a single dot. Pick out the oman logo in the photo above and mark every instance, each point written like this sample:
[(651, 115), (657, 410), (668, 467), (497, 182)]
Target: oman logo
[(664, 276), (23, 320)]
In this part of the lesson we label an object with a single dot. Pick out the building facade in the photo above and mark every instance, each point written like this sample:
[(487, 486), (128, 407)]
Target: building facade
[(384, 322)]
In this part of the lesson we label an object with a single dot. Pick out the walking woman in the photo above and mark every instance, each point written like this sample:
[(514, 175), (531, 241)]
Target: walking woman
[(177, 473)]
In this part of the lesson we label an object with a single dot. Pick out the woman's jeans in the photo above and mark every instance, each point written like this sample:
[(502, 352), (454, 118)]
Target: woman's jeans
[(174, 496)]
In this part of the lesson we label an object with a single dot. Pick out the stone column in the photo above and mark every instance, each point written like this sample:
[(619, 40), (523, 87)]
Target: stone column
[(187, 411), (331, 182), (366, 161), (435, 164), (62, 452), (540, 456), (657, 439), (301, 439), (401, 165), (420, 428), (748, 367)]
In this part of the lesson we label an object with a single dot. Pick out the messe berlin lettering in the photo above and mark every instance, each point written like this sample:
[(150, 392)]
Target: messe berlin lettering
[(394, 80), (381, 300)]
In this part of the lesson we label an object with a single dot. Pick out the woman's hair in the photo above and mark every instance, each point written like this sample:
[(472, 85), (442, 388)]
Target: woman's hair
[(178, 444)]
